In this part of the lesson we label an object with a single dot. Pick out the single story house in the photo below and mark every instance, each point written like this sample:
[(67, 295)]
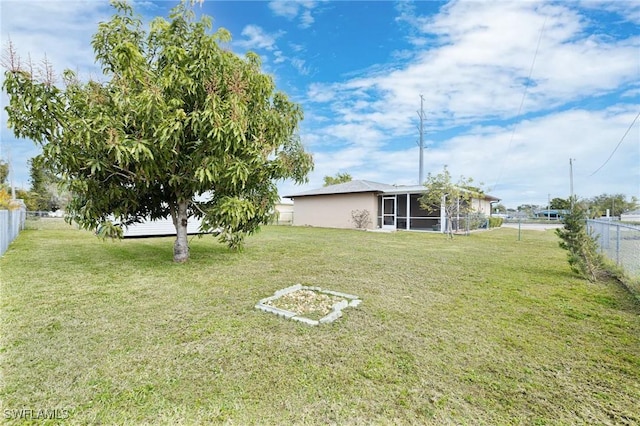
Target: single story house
[(632, 216), (551, 214), (390, 207), (284, 210)]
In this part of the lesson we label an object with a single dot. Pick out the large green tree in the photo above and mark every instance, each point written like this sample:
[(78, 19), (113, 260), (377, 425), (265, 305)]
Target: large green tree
[(615, 203), (177, 116), (338, 178), (452, 197)]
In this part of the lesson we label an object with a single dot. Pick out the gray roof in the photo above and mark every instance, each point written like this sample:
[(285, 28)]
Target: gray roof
[(346, 188), (361, 186)]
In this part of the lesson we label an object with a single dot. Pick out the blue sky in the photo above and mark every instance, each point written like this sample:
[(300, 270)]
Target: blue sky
[(512, 89)]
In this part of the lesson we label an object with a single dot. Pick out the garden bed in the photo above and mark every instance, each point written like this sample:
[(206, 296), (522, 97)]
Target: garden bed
[(310, 305)]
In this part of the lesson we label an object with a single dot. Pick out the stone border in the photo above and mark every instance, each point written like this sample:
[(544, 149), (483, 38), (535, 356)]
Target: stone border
[(335, 313)]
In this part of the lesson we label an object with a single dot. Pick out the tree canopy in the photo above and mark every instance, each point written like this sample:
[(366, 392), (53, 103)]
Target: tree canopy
[(4, 171), (178, 117), (452, 197), (560, 204), (499, 208), (338, 178), (44, 193), (615, 203)]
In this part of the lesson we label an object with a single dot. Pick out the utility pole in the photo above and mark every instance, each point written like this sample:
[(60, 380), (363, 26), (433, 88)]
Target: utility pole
[(571, 180), (421, 144)]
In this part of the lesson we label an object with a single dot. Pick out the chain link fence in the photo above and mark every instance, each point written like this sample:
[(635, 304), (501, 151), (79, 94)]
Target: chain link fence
[(11, 223), (619, 242)]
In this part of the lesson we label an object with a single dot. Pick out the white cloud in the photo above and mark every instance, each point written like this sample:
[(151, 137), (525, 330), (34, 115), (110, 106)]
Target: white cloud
[(319, 92), (481, 69), (299, 65), (306, 20), (287, 9), (257, 38), (292, 9)]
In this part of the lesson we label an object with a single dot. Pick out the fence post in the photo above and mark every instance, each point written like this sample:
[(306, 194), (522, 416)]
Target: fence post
[(618, 245)]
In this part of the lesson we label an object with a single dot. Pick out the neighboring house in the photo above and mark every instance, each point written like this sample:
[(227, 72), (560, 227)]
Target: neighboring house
[(633, 216), (284, 209), (159, 228), (164, 227), (390, 206), (551, 214)]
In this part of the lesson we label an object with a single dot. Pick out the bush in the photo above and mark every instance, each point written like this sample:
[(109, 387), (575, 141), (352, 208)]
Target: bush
[(476, 221), (495, 222), (361, 218)]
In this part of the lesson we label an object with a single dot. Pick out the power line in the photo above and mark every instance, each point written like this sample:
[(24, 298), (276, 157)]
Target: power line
[(617, 146), (524, 95)]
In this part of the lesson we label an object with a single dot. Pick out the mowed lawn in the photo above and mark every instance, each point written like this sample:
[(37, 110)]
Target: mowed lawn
[(483, 329)]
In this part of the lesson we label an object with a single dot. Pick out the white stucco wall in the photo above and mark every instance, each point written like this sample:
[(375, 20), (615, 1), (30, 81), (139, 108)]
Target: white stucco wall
[(630, 217), (481, 206), (333, 211)]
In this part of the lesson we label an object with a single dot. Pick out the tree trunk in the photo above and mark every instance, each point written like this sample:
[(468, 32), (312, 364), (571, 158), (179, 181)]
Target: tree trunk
[(181, 246), (449, 216)]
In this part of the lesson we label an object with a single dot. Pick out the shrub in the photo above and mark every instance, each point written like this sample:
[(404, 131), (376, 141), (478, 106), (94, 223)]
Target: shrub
[(495, 222), (7, 203), (583, 255), (476, 221), (361, 218)]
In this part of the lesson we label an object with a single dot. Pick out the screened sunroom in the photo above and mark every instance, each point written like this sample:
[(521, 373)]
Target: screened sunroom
[(403, 211)]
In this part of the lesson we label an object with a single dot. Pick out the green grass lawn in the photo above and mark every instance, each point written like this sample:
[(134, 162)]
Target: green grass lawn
[(483, 329)]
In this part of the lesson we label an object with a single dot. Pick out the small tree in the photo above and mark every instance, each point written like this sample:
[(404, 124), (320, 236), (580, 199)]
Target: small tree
[(560, 204), (4, 171), (499, 208), (338, 178), (528, 209), (361, 218), (583, 255), (177, 116), (453, 198), (43, 183)]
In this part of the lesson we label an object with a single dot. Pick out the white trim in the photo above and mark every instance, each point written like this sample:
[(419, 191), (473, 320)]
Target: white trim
[(394, 214)]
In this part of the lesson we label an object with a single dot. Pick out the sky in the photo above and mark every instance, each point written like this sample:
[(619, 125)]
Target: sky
[(512, 92)]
